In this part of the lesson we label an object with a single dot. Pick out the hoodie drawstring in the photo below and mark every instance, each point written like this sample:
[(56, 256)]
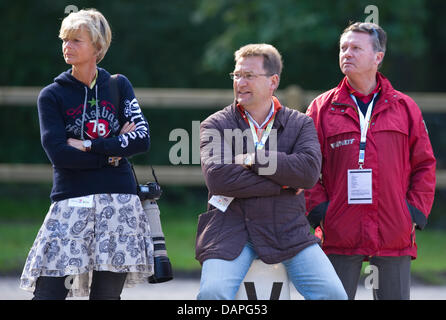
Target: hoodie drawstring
[(97, 110), (85, 107), (83, 113)]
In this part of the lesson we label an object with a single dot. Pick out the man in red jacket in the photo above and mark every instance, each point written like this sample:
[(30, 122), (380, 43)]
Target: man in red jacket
[(378, 169)]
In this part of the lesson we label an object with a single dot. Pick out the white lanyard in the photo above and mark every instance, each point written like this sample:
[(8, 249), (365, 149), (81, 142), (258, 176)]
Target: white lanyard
[(268, 117), (265, 134), (222, 202), (364, 125)]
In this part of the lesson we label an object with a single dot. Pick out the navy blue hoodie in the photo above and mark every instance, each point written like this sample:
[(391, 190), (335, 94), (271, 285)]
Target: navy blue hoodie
[(70, 109)]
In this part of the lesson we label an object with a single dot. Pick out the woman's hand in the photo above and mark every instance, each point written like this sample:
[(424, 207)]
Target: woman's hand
[(128, 127), (78, 144), (114, 161)]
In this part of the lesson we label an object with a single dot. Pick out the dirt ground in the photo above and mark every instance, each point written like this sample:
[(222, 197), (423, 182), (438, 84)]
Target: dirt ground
[(187, 289)]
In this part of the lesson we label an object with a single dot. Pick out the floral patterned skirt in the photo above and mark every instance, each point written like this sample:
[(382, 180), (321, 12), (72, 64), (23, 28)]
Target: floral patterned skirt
[(112, 234)]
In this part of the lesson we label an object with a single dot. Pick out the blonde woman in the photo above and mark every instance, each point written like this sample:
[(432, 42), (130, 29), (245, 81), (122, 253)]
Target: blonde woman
[(95, 238)]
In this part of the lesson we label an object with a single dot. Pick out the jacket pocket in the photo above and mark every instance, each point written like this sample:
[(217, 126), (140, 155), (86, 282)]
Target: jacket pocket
[(406, 222), (417, 216), (338, 123), (209, 227), (392, 137), (393, 122), (290, 223)]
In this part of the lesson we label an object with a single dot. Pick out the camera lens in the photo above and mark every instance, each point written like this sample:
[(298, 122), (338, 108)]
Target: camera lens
[(163, 268)]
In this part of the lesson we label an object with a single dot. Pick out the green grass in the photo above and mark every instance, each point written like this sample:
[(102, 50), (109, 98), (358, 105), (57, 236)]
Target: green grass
[(20, 220), (180, 242), (179, 223), (23, 208), (16, 238), (30, 210), (430, 265), (431, 251)]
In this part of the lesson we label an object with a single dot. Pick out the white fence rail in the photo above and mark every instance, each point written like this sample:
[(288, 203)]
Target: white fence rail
[(167, 175), (292, 96)]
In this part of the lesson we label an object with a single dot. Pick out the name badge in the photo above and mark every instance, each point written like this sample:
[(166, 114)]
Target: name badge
[(359, 183), (81, 202), (221, 202)]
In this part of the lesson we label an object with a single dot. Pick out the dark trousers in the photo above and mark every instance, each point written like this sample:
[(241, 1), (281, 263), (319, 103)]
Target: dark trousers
[(105, 285), (392, 275)]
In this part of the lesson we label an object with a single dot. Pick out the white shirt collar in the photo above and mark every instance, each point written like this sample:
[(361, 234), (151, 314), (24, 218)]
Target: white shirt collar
[(268, 117)]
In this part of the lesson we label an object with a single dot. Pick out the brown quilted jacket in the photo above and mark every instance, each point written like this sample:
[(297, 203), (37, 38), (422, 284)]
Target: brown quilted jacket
[(263, 212)]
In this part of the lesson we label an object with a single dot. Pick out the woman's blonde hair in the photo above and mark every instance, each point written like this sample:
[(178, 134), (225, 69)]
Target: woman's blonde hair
[(95, 23)]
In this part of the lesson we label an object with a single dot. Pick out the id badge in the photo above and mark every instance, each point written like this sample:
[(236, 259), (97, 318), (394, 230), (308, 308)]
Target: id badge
[(221, 202), (81, 202), (359, 184)]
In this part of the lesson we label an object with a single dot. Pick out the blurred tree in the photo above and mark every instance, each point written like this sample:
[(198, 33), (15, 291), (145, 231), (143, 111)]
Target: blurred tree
[(190, 44), (155, 43), (176, 43), (307, 34)]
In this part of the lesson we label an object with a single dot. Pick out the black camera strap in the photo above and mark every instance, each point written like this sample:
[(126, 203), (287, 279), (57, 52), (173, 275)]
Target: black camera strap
[(153, 174), (134, 174), (136, 179), (115, 93)]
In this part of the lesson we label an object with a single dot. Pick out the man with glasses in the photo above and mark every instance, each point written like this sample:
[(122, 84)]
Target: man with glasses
[(255, 213), (378, 170)]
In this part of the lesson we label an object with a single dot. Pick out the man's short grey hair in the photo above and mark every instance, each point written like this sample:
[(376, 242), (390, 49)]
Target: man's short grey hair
[(377, 34), (272, 60)]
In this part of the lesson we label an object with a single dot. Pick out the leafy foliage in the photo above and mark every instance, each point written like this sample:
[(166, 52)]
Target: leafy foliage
[(190, 44), (307, 34)]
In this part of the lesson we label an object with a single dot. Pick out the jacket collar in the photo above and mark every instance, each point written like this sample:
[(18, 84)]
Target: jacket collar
[(278, 120), (341, 95), (359, 95)]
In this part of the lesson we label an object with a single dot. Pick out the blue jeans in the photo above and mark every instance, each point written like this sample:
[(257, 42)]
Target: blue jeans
[(310, 271)]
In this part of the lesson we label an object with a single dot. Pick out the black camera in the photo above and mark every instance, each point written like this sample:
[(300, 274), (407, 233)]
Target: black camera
[(148, 194), (149, 191)]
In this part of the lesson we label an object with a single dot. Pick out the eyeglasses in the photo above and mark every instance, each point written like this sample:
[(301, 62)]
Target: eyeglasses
[(375, 33), (377, 42), (247, 76), (365, 26)]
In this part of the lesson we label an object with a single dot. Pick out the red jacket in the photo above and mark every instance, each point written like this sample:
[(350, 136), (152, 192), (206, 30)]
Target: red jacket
[(400, 155)]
